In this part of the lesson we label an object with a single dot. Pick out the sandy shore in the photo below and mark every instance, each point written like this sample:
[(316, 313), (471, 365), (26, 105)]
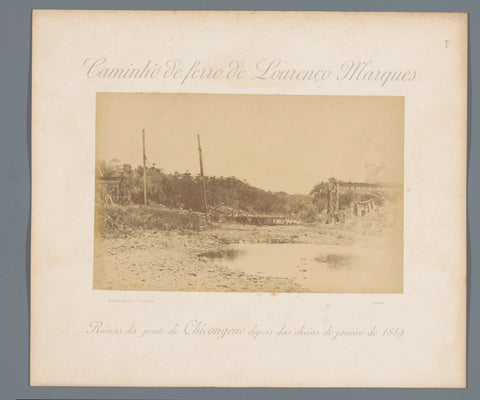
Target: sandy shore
[(174, 261)]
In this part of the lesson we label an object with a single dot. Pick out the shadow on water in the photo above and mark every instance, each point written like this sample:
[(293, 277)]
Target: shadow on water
[(332, 260), (335, 260), (222, 254)]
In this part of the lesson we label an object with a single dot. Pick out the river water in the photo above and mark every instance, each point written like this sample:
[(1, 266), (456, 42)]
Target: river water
[(320, 268)]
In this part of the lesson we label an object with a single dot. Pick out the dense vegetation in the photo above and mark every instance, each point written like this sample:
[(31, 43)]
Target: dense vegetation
[(184, 191)]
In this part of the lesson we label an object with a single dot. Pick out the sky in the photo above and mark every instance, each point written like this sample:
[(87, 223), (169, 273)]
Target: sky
[(275, 142)]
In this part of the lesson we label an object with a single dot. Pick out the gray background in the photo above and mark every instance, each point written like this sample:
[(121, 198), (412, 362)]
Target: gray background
[(15, 47)]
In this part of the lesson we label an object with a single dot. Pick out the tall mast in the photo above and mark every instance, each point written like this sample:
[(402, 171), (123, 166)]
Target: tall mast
[(203, 178), (144, 170)]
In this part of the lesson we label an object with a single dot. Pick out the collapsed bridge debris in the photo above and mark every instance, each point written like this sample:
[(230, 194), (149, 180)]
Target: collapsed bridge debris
[(244, 215), (360, 208)]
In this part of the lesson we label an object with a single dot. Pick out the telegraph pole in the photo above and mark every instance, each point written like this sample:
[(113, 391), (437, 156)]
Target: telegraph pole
[(144, 170), (338, 197), (203, 178)]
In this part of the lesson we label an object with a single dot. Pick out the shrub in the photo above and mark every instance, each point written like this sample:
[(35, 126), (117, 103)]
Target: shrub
[(116, 220)]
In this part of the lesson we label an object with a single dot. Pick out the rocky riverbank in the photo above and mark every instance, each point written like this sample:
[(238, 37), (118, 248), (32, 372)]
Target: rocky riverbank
[(175, 260)]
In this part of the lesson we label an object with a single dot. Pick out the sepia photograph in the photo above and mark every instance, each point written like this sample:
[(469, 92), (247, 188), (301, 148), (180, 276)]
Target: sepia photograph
[(249, 193)]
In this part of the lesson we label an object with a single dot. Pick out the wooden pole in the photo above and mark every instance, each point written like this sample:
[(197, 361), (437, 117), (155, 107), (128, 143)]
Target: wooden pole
[(329, 199), (338, 197), (144, 170), (203, 178)]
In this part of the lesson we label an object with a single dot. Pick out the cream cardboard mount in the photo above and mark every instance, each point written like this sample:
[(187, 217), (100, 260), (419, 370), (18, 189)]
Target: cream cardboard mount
[(285, 278)]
